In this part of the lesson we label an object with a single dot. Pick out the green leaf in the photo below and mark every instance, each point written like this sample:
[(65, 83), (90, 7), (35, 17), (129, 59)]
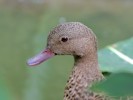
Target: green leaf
[(116, 85), (117, 57)]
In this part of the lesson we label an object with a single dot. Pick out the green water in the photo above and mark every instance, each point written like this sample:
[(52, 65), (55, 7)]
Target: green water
[(23, 33)]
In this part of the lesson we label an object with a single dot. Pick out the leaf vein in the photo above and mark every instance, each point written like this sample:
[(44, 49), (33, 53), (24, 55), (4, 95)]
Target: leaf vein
[(121, 55)]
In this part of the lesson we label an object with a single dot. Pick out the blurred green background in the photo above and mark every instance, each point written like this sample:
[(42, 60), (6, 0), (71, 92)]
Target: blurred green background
[(24, 26)]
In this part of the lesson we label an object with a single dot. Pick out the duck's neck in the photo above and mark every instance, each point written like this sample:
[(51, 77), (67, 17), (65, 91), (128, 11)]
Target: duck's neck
[(85, 71)]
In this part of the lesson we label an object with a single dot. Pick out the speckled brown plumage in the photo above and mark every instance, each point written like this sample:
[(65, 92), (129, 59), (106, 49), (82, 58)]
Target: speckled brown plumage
[(83, 46), (76, 39)]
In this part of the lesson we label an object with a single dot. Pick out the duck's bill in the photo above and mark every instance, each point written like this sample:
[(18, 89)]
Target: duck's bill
[(41, 57)]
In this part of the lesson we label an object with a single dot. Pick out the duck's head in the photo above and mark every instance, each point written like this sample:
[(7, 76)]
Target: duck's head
[(71, 38)]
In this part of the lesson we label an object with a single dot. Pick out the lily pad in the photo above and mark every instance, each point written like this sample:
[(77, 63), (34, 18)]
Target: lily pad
[(116, 86), (117, 57)]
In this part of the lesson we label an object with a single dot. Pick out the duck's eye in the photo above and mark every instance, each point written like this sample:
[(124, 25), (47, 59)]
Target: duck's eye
[(64, 39)]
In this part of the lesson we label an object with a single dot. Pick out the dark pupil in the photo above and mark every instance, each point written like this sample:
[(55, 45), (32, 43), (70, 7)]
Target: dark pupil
[(64, 39)]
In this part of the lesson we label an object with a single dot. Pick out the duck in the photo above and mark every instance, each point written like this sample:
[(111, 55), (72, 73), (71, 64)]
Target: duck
[(76, 39)]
